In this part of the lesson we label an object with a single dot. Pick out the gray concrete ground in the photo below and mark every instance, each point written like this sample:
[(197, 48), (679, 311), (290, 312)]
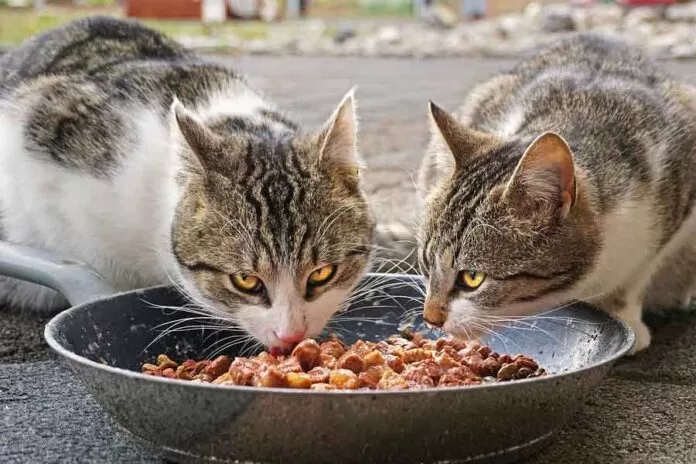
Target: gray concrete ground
[(644, 413)]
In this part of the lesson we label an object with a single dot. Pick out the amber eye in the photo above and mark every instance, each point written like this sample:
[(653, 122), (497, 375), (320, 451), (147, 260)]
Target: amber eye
[(470, 280), (247, 283), (321, 276)]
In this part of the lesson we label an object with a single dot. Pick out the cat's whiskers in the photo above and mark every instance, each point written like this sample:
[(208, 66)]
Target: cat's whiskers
[(331, 219), (241, 230), (245, 340), (507, 341), (528, 320)]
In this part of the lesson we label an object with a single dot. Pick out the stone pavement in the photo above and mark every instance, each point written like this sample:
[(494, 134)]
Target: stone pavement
[(644, 413)]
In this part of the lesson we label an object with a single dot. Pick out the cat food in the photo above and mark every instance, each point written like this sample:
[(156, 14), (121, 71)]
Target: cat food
[(403, 362)]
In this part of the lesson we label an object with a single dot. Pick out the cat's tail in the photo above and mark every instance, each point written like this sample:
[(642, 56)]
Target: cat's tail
[(396, 248)]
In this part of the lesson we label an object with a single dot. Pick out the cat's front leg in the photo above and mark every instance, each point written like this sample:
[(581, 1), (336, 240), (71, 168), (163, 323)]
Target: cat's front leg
[(633, 316), (630, 311)]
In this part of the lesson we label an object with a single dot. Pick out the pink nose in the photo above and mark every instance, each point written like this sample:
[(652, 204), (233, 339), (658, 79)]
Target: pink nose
[(292, 337)]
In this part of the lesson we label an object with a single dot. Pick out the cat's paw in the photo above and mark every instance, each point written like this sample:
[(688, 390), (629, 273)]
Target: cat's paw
[(643, 336)]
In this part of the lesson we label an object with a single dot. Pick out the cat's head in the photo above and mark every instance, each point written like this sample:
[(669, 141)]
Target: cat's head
[(272, 229), (508, 230)]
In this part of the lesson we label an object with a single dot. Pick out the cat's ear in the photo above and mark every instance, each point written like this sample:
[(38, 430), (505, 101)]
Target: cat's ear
[(338, 140), (462, 141), (201, 141), (546, 173)]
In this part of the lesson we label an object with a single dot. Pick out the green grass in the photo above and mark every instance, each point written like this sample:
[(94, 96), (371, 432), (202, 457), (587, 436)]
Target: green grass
[(16, 25)]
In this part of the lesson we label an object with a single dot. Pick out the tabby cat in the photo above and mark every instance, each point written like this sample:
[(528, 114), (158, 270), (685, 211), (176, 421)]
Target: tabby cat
[(571, 177), (122, 149)]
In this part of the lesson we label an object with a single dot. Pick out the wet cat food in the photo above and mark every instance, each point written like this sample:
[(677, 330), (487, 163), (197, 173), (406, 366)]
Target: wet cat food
[(403, 362)]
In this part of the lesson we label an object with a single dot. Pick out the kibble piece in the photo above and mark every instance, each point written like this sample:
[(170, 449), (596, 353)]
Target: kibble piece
[(490, 367), (373, 358), (150, 368), (410, 362), (446, 361), (319, 375), (524, 361), (344, 379), (183, 374), (371, 377), (292, 364), (392, 381), (484, 351), (271, 377), (307, 353), (242, 371), (430, 367), (395, 363), (416, 375), (203, 378), (415, 354), (507, 372), (226, 377), (333, 348), (328, 361), (218, 366), (362, 347), (352, 362), (163, 362), (299, 380), (267, 358)]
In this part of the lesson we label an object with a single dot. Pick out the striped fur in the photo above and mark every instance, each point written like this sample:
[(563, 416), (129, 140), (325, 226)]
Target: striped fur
[(122, 149), (618, 232)]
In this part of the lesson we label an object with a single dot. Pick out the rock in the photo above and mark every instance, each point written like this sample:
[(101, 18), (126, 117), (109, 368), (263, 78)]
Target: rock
[(603, 15), (683, 51), (682, 12), (388, 35), (343, 34), (513, 35), (440, 16), (636, 16), (533, 11), (557, 18), (511, 26)]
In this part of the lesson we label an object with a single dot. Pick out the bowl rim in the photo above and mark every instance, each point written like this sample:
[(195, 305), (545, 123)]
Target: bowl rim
[(53, 328)]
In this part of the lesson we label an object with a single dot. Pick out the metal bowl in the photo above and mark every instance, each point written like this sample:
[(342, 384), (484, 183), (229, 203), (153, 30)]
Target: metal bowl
[(105, 339)]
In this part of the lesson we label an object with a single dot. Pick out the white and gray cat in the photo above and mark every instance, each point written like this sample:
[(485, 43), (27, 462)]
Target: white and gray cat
[(571, 177), (122, 149)]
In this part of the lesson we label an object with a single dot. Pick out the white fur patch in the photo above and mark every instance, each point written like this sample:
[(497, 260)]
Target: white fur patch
[(511, 124), (119, 226), (630, 244)]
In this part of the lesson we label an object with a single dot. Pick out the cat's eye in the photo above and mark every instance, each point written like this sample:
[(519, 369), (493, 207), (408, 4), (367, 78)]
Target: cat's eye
[(321, 276), (470, 280), (246, 283)]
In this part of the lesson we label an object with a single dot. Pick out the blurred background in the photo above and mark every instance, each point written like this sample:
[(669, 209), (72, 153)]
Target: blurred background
[(373, 27)]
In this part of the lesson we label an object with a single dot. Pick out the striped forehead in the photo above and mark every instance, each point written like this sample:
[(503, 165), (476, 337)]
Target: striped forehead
[(467, 191)]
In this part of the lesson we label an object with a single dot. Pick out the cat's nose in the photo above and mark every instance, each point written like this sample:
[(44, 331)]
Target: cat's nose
[(291, 337), (435, 313)]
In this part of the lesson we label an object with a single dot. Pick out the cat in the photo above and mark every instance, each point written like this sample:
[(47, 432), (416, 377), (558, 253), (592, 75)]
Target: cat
[(124, 150), (570, 177)]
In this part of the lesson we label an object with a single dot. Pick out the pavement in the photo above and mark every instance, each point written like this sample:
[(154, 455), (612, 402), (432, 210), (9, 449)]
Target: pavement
[(644, 412)]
